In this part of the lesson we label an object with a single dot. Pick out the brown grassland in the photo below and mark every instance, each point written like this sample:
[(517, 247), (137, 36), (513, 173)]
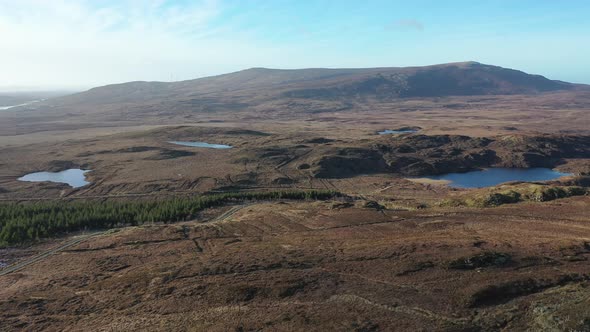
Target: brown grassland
[(389, 256)]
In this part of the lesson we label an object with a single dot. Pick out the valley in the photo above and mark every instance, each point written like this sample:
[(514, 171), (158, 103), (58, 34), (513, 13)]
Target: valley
[(388, 244)]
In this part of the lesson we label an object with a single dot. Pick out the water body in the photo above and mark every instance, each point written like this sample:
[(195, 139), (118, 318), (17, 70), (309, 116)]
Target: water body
[(75, 178), (202, 145), (494, 176), (399, 131), (2, 108)]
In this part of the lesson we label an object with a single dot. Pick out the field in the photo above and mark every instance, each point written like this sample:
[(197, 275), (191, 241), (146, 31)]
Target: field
[(321, 265), (138, 159)]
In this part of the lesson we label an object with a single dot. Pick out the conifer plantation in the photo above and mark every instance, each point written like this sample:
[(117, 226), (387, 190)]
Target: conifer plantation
[(24, 222)]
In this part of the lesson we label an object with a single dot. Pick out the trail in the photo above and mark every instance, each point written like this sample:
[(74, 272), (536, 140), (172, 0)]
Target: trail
[(227, 214), (18, 266)]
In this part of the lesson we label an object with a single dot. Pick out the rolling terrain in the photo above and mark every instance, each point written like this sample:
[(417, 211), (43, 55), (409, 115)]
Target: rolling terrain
[(320, 267), (426, 96), (389, 250)]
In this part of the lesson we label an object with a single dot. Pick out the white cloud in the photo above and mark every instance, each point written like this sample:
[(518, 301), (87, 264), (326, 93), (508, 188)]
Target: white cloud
[(69, 42)]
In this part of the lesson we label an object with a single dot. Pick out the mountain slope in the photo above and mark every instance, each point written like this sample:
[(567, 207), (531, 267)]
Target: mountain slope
[(455, 79), (458, 79)]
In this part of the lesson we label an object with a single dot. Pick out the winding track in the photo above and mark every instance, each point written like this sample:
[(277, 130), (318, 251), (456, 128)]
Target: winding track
[(18, 266), (227, 214)]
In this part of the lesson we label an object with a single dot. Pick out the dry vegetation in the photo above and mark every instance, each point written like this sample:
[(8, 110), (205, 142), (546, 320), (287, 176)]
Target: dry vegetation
[(322, 266), (396, 254)]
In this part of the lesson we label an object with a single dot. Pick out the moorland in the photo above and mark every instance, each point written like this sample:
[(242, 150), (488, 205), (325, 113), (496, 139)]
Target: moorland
[(312, 219)]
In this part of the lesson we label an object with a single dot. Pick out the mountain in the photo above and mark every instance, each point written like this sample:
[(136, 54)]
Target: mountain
[(299, 90), (456, 79), (453, 79)]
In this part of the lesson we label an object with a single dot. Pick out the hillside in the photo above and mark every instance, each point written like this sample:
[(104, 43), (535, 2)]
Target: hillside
[(316, 218), (260, 94), (454, 79)]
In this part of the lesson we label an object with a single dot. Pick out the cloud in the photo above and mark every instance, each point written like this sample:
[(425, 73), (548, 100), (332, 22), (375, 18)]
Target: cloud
[(409, 24), (87, 43), (86, 16)]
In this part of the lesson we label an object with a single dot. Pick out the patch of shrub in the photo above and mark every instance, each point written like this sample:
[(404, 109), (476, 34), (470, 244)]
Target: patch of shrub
[(171, 154), (502, 293), (486, 259), (373, 205), (545, 193), (506, 197), (493, 197)]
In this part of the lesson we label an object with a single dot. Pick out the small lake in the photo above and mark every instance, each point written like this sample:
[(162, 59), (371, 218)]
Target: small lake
[(2, 108), (398, 131), (494, 176), (201, 145), (75, 178)]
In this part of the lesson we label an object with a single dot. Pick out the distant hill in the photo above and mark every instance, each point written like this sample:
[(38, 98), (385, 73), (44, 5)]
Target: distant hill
[(257, 85), (456, 79), (21, 97)]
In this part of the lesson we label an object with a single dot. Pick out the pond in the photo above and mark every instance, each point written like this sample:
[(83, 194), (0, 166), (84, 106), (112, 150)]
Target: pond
[(201, 145), (398, 131), (19, 105), (494, 176), (75, 178)]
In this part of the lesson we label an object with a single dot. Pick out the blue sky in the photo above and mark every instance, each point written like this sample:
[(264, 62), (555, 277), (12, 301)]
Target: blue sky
[(83, 43)]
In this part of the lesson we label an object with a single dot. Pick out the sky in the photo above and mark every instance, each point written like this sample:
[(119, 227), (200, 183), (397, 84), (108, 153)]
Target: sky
[(78, 44)]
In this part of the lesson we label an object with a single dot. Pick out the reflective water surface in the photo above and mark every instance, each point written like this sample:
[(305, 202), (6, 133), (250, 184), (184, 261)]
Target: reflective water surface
[(202, 145), (75, 178), (401, 131), (25, 104), (494, 176)]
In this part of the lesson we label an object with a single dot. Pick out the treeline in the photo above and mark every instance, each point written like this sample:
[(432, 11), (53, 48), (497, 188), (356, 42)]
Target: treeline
[(24, 222)]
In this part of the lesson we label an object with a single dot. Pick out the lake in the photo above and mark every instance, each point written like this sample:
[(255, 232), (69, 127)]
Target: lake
[(494, 176), (398, 131), (201, 145), (25, 104), (75, 178)]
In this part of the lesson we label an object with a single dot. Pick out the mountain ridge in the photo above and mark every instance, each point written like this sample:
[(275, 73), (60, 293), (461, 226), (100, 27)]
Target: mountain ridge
[(251, 86)]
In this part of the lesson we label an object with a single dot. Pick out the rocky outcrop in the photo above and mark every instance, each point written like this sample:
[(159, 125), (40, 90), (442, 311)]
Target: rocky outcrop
[(349, 162), (418, 155)]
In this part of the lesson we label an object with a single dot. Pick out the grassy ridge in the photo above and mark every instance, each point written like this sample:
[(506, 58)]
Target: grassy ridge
[(508, 194), (20, 223)]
